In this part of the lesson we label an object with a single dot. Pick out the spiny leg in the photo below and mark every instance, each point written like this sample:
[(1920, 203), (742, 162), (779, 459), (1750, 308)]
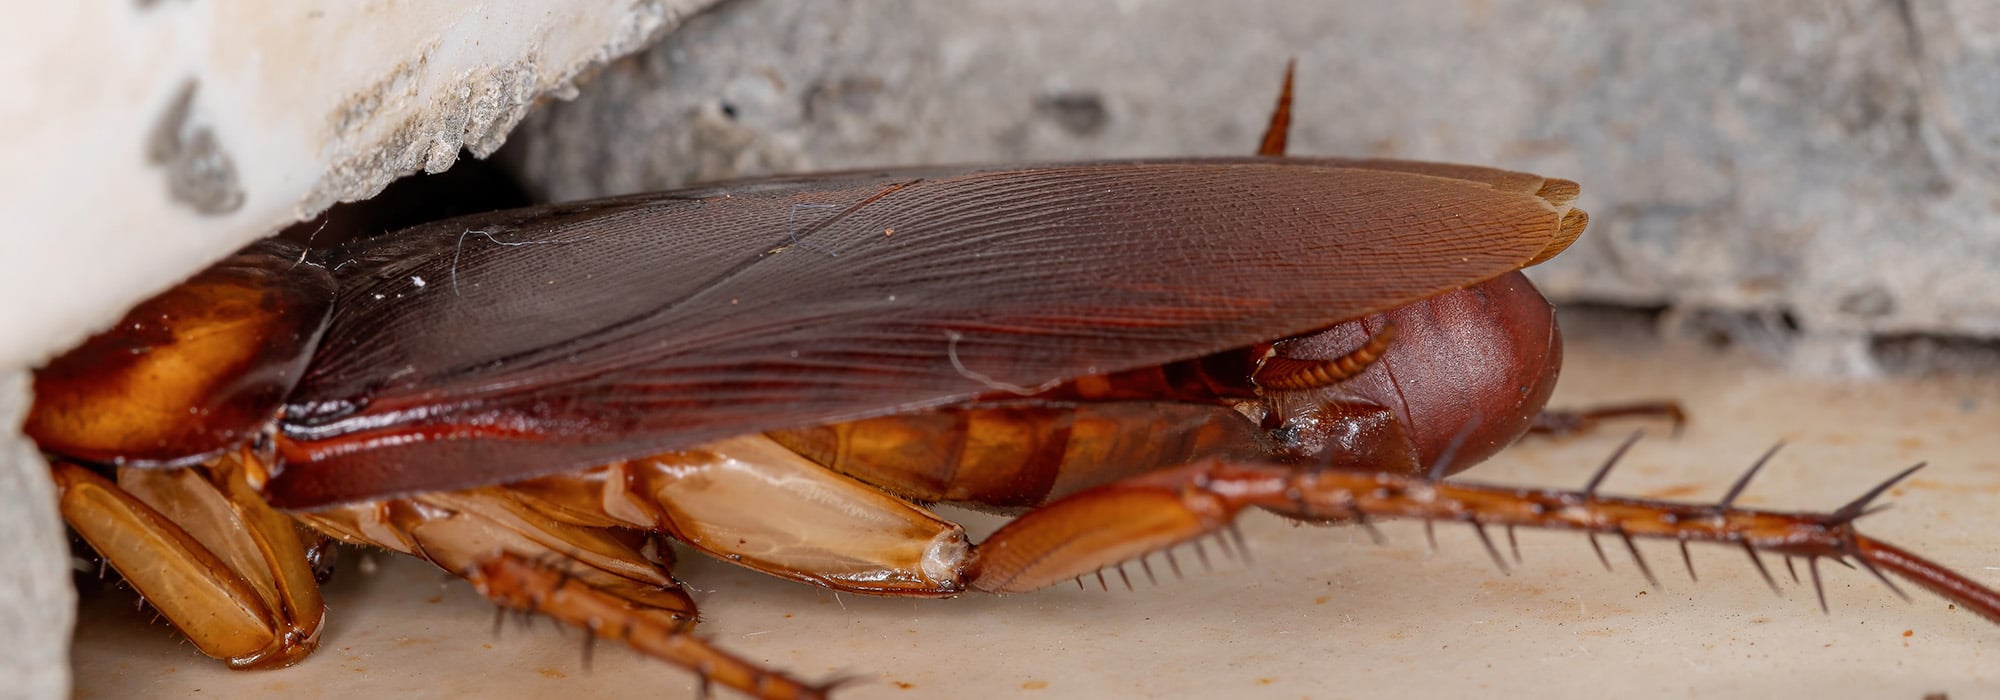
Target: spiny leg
[(565, 545), (532, 554), (519, 583), (752, 502), (1575, 421), (458, 530), (224, 568), (1273, 143), (1118, 522)]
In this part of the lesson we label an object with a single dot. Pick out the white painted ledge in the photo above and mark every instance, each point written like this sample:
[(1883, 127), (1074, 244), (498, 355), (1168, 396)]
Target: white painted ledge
[(146, 139)]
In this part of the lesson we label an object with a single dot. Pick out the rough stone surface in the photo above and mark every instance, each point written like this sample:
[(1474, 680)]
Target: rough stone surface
[(1825, 167), (36, 601)]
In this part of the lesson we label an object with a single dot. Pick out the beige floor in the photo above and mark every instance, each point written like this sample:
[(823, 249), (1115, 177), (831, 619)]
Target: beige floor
[(1322, 613)]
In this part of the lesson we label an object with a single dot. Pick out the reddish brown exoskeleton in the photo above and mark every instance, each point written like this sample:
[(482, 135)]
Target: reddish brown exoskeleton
[(778, 372)]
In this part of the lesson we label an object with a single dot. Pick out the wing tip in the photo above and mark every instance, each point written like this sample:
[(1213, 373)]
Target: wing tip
[(1558, 191), (1568, 228)]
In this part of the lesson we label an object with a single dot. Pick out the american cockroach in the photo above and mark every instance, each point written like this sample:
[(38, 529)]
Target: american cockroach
[(780, 372)]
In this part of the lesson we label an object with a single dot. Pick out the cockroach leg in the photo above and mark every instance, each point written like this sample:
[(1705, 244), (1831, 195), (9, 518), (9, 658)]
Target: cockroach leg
[(1604, 469), (1637, 558), (1572, 422), (1599, 549), (1273, 143), (1491, 551), (226, 569), (752, 502), (1116, 522), (1375, 534), (519, 583), (1688, 561), (458, 530), (1743, 482), (1242, 547), (564, 547), (1926, 573), (744, 500)]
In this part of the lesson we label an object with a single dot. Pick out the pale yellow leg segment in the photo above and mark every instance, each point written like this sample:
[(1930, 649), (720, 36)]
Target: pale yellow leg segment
[(224, 568), (544, 547), (459, 530), (751, 501)]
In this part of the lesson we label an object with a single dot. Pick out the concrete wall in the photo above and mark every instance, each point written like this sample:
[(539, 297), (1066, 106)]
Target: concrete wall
[(1823, 173)]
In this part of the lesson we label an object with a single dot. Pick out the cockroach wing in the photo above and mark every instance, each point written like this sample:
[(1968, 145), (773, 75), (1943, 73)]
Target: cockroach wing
[(510, 345)]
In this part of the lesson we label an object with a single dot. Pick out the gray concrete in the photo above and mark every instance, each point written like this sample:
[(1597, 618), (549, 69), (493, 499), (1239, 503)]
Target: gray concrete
[(37, 604), (1825, 164)]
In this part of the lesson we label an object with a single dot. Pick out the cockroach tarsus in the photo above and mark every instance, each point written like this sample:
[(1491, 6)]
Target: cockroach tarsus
[(545, 587), (1077, 344)]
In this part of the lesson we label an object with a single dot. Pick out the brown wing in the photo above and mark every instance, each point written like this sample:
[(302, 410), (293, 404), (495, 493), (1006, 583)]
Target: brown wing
[(511, 345)]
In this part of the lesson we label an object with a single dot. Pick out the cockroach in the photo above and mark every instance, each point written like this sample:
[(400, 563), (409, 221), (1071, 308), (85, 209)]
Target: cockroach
[(780, 372)]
